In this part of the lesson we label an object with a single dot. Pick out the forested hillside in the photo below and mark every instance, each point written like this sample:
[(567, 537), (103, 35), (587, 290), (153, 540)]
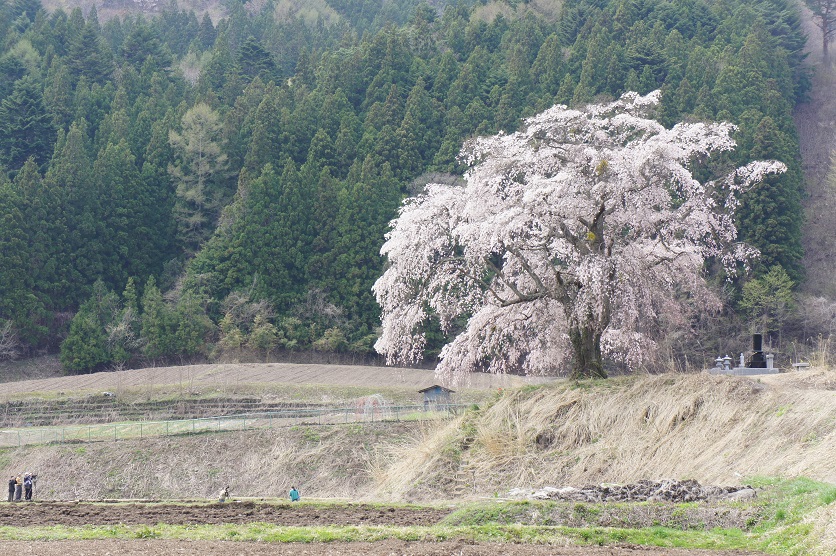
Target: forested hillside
[(178, 187)]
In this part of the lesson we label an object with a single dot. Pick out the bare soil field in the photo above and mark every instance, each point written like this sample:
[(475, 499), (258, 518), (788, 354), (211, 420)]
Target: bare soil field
[(382, 548), (285, 514), (25, 514)]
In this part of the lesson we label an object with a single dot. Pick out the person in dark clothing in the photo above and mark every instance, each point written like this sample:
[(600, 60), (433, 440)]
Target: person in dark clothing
[(18, 488), (27, 486), (12, 483)]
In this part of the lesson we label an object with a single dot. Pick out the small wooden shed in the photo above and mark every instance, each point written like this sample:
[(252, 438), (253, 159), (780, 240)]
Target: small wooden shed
[(436, 395)]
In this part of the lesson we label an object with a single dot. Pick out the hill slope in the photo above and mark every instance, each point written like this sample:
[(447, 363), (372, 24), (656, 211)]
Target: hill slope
[(717, 430), (714, 429), (816, 124)]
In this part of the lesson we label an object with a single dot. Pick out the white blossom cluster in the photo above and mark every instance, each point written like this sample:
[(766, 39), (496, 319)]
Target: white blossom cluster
[(586, 220)]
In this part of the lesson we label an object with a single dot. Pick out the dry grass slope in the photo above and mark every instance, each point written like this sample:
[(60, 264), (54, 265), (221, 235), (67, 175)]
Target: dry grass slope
[(717, 430), (326, 462)]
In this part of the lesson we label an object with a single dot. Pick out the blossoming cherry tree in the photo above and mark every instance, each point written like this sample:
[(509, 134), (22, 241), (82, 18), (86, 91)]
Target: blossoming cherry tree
[(582, 236)]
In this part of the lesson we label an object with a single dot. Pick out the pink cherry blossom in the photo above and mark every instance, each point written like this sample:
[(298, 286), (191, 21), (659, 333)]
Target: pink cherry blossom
[(582, 236)]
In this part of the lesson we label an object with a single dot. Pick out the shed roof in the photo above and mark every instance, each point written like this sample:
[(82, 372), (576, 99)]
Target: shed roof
[(433, 387)]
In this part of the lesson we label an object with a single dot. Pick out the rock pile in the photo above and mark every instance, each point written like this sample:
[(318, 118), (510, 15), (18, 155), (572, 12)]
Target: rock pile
[(666, 490)]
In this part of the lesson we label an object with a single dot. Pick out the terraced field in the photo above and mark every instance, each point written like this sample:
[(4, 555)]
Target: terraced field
[(229, 377)]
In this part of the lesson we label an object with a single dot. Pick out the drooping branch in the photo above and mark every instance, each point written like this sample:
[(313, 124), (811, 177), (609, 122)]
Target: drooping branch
[(9, 342), (600, 225)]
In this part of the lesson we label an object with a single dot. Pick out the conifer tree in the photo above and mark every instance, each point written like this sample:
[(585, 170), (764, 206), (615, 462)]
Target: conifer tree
[(158, 324), (44, 254), (193, 326), (89, 55), (16, 286), (58, 97), (86, 346), (370, 197), (771, 217), (26, 129), (255, 61), (71, 178), (126, 215), (200, 174), (207, 32)]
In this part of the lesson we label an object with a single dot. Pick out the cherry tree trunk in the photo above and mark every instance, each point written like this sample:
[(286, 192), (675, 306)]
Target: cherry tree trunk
[(586, 347)]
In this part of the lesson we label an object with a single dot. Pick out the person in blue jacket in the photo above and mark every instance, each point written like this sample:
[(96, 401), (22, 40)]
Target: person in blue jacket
[(294, 494)]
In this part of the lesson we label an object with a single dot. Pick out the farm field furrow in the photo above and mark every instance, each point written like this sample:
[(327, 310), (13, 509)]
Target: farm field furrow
[(230, 375), (197, 528), (380, 548), (25, 514)]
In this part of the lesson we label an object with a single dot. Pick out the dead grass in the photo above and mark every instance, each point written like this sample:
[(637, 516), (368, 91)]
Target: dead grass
[(425, 459), (324, 462), (824, 529), (46, 366), (717, 430)]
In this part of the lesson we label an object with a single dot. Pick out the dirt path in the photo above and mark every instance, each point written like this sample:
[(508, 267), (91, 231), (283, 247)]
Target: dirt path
[(382, 548)]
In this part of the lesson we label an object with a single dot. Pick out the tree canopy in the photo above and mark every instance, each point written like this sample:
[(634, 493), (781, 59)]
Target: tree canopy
[(583, 234)]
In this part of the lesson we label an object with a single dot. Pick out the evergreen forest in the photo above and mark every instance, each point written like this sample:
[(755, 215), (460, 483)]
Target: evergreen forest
[(174, 188)]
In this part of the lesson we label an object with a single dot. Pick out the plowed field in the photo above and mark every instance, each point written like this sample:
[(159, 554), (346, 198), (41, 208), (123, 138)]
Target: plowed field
[(80, 513), (192, 377), (293, 515)]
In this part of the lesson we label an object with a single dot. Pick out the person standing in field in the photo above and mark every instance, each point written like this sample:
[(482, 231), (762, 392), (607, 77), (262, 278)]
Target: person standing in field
[(12, 483), (18, 488), (294, 494), (27, 486), (224, 494)]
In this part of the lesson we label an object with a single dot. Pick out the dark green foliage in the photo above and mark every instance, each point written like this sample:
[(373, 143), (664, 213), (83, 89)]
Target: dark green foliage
[(25, 8), (194, 328), (142, 45), (58, 94), (158, 324), (89, 55), (69, 185), (86, 347), (16, 297), (254, 61), (25, 126), (11, 69), (207, 32)]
